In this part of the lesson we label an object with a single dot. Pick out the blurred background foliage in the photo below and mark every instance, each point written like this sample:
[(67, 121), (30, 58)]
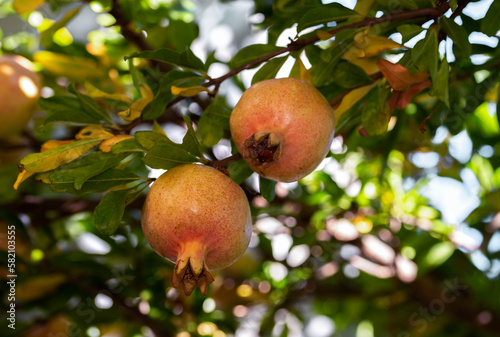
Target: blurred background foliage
[(396, 234)]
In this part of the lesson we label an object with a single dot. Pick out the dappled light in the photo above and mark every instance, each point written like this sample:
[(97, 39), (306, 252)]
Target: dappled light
[(28, 87)]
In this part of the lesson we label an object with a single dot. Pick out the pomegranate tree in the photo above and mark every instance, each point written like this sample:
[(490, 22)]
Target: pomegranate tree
[(198, 218), (283, 128)]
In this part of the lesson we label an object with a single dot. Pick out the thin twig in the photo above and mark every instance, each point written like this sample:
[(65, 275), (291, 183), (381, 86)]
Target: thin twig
[(301, 43), (226, 161)]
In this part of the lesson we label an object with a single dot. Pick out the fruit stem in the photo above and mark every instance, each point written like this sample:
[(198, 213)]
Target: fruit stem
[(191, 270), (262, 149)]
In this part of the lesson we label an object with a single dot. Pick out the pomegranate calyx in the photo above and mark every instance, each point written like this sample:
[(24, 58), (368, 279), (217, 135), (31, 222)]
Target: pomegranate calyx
[(190, 279), (191, 269), (262, 149)]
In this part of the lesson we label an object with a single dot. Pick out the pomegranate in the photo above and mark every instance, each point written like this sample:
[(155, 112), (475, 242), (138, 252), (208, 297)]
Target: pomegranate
[(19, 92), (283, 128), (198, 218)]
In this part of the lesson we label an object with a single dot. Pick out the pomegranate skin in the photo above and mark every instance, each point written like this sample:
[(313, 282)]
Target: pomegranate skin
[(294, 119), (198, 218), (19, 93)]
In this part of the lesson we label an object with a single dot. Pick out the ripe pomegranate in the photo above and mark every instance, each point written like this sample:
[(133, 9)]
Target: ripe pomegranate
[(19, 92), (198, 218), (283, 128)]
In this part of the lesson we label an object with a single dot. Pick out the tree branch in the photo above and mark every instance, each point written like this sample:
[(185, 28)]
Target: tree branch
[(429, 13), (295, 45), (226, 161)]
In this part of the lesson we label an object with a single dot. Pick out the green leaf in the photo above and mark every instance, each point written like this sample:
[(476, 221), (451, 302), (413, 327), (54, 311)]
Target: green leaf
[(111, 179), (409, 31), (213, 123), (163, 96), (186, 59), (490, 25), (376, 112), (157, 106), (363, 7), (66, 109), (78, 68), (321, 71), (252, 53), (425, 53), (453, 4), (85, 167), (127, 145), (349, 76), (168, 155), (269, 70), (482, 123), (89, 105), (459, 36), (483, 170), (498, 112), (46, 35), (193, 60), (190, 141), (409, 4), (440, 85), (103, 182), (51, 159), (267, 188), (137, 77), (239, 171), (148, 139), (324, 14), (108, 214)]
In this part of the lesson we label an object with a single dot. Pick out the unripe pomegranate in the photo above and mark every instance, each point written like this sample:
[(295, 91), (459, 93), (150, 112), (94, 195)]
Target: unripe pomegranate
[(19, 92), (198, 218), (283, 128)]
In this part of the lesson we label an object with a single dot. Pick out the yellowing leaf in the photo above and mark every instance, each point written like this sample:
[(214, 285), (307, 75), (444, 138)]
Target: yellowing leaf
[(97, 93), (351, 98), (53, 158), (39, 286), (371, 45), (22, 176), (363, 7), (157, 128), (304, 73), (399, 77), (324, 35), (93, 132), (25, 6), (493, 93), (110, 142), (135, 110), (52, 144), (146, 92), (189, 91), (369, 65), (73, 67)]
